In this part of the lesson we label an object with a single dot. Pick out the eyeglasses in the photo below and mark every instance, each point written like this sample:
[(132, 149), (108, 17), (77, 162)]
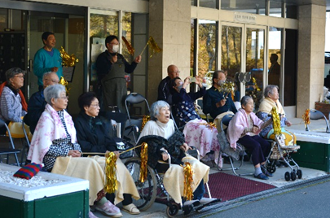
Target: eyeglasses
[(95, 105), (20, 76), (64, 97)]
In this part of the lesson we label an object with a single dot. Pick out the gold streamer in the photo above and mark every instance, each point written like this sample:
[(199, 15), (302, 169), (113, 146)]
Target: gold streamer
[(129, 47), (110, 172), (210, 125), (144, 161), (188, 179), (68, 60), (276, 122), (66, 84), (255, 84), (145, 119), (153, 47), (306, 117)]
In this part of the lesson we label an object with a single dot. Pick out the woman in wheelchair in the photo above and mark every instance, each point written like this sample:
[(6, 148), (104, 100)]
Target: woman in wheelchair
[(198, 133), (93, 134), (161, 126), (244, 129), (54, 144), (270, 100)]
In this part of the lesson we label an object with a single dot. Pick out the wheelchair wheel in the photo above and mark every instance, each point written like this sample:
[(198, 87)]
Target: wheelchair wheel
[(147, 189), (271, 168), (172, 210), (299, 174)]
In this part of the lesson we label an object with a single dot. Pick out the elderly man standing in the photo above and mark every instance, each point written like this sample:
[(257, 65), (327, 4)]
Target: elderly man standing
[(215, 102), (47, 58), (165, 85), (37, 101)]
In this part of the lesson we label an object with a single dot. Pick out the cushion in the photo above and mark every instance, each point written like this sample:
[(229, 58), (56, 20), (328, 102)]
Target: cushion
[(28, 171)]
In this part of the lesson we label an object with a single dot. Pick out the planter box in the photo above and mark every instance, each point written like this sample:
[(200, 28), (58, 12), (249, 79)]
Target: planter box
[(323, 107), (314, 149), (67, 198)]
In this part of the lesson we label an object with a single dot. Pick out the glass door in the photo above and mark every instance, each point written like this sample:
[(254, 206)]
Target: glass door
[(255, 63), (243, 58), (69, 34)]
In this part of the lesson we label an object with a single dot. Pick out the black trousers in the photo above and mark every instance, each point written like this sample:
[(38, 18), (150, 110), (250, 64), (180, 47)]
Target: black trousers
[(127, 198)]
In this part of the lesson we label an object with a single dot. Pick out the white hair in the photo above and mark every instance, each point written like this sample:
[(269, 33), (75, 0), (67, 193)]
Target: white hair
[(53, 91)]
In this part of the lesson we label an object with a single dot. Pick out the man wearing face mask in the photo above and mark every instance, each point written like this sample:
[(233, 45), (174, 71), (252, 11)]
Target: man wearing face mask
[(183, 102), (111, 68), (214, 101)]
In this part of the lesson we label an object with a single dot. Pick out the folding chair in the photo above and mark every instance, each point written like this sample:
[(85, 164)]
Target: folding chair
[(11, 149)]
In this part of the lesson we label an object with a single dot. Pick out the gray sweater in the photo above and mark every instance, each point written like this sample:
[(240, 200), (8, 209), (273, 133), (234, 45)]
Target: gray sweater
[(10, 106)]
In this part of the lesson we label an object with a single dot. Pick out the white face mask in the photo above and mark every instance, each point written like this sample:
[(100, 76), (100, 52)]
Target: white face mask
[(220, 82), (180, 86), (115, 48)]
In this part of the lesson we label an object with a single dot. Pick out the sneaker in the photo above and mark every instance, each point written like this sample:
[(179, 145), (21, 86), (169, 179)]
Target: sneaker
[(109, 209), (91, 215), (265, 171), (131, 209), (208, 200), (261, 176)]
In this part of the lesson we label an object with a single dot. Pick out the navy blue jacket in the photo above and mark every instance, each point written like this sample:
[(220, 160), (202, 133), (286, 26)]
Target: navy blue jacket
[(36, 106), (212, 97)]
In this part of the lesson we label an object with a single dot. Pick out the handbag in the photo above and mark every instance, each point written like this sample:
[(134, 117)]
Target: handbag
[(123, 145), (225, 147)]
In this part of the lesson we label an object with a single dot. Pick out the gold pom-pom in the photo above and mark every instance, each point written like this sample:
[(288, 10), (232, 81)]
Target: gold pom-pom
[(276, 122), (66, 84), (110, 172), (188, 179), (144, 161), (68, 60)]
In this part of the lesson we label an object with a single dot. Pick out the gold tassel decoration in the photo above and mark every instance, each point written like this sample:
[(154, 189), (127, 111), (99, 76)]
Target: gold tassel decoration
[(153, 47), (188, 179), (68, 60), (144, 161), (306, 117), (66, 84), (129, 47), (145, 119), (110, 172), (276, 122)]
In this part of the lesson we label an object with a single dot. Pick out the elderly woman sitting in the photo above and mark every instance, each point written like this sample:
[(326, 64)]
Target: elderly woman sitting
[(93, 136), (54, 144), (12, 102), (244, 129), (198, 133), (270, 100), (162, 127)]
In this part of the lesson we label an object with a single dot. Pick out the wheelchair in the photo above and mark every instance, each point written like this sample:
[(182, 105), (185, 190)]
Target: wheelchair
[(153, 190)]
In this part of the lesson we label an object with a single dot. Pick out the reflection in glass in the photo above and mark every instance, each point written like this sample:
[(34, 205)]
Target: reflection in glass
[(103, 25), (274, 54), (255, 63), (3, 18), (244, 6), (127, 33), (193, 2), (192, 47), (231, 55), (275, 9), (209, 3), (207, 46)]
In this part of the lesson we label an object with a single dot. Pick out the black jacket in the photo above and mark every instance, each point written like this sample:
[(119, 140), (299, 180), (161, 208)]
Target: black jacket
[(172, 145), (97, 140), (164, 90)]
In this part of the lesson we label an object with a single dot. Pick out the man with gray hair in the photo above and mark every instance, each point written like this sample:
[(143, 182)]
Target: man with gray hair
[(37, 101)]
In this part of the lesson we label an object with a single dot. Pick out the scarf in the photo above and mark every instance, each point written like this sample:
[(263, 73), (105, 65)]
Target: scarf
[(23, 102), (48, 129), (267, 104)]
